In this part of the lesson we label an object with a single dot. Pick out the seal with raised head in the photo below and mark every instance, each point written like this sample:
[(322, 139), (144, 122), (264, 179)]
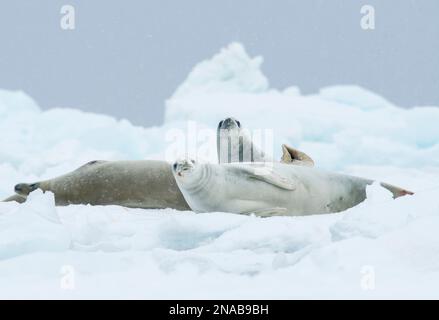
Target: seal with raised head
[(267, 190), (234, 144)]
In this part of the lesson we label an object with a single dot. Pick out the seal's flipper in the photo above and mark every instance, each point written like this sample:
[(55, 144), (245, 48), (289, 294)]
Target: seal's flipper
[(396, 191), (16, 197), (267, 175), (269, 212), (294, 156)]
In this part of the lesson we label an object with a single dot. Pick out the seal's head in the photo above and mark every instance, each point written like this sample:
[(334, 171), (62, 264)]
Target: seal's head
[(24, 189), (190, 175), (194, 181), (183, 168), (229, 124)]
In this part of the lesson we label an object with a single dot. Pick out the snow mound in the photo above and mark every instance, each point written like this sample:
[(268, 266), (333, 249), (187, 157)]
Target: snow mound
[(382, 248), (231, 70), (354, 96), (13, 102)]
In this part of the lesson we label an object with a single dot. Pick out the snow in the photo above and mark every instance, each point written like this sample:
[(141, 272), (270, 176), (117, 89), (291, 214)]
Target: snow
[(231, 70), (383, 248)]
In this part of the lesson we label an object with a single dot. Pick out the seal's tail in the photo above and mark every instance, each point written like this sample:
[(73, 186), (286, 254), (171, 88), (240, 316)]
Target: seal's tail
[(25, 188)]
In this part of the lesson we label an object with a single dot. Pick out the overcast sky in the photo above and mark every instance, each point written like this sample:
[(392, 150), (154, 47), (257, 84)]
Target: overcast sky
[(126, 57)]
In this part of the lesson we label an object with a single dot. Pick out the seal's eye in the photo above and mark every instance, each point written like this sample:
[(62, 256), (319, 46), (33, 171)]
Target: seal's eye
[(239, 123), (175, 166), (220, 124), (193, 161)]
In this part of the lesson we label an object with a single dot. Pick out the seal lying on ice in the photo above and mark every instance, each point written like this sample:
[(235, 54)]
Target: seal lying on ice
[(267, 190), (135, 184), (138, 184)]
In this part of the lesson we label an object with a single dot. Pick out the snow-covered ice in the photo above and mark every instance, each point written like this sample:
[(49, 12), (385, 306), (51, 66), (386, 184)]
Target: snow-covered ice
[(383, 248)]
